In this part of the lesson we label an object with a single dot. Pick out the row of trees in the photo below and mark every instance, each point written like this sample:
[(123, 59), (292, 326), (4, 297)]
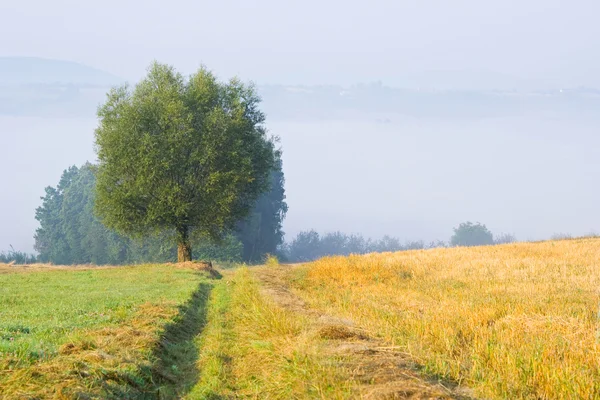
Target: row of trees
[(70, 232), (17, 257), (186, 163), (183, 162), (309, 245), (246, 244)]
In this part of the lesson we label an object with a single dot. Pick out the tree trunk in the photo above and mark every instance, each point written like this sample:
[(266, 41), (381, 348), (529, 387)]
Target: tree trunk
[(184, 247)]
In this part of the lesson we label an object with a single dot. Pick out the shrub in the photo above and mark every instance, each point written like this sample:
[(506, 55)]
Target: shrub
[(561, 236), (470, 234), (271, 260), (504, 238)]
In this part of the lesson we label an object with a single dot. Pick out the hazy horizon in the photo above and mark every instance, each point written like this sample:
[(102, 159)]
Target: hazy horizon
[(529, 171), (411, 178)]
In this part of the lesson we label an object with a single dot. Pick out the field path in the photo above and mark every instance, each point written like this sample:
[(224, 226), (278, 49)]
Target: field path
[(381, 372)]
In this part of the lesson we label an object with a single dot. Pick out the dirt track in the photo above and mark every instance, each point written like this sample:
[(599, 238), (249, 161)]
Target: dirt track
[(381, 372)]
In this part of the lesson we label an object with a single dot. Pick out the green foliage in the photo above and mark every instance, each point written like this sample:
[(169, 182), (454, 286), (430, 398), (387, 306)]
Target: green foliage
[(305, 247), (469, 234), (228, 249), (17, 257), (504, 238), (50, 240), (181, 154), (261, 232), (180, 161), (89, 240), (70, 233), (309, 245)]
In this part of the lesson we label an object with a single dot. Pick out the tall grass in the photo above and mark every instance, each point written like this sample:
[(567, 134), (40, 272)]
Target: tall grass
[(511, 321), (271, 260)]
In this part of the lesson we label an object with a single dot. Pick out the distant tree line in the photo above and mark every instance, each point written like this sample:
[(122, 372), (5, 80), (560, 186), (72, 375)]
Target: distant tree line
[(17, 257), (257, 237), (70, 232), (309, 245)]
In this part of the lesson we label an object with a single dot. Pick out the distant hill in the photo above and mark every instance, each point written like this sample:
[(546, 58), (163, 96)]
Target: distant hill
[(473, 80), (31, 70), (43, 87)]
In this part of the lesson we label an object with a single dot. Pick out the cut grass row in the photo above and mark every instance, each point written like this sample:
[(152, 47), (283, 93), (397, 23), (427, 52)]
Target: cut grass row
[(100, 333)]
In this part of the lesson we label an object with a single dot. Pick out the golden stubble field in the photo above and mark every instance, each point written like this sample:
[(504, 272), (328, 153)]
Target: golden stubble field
[(510, 321)]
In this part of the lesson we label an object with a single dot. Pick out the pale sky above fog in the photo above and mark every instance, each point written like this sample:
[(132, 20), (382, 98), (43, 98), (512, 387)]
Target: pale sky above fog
[(531, 175), (314, 41)]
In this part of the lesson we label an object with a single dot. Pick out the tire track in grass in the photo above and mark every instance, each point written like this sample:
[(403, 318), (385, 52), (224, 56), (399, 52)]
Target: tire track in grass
[(377, 370)]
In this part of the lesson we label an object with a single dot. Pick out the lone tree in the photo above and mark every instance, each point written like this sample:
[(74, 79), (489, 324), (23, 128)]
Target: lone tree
[(469, 234), (189, 155)]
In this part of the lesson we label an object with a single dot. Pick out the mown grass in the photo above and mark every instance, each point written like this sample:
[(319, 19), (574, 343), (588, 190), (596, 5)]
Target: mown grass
[(511, 321), (252, 348), (100, 333)]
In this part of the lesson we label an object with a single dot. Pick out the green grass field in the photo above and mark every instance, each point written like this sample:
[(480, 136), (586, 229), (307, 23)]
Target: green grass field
[(515, 321), (95, 332)]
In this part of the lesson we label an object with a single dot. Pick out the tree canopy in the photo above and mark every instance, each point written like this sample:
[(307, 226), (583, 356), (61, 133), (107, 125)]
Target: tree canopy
[(70, 233), (470, 234), (190, 155), (261, 233)]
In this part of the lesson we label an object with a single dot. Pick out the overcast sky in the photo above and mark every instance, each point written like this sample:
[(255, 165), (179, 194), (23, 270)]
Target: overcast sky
[(312, 41)]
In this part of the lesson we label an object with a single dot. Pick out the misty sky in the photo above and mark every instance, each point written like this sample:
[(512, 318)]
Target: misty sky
[(310, 41), (531, 175), (411, 178)]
